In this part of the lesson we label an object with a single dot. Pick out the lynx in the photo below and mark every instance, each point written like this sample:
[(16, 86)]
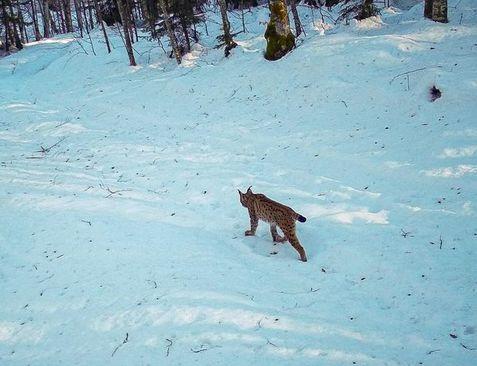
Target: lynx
[(260, 207)]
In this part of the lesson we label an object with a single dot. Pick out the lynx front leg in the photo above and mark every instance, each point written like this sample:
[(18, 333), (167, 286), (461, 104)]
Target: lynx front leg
[(253, 224), (276, 238)]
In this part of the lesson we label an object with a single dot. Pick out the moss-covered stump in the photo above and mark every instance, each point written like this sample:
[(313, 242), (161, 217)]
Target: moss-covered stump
[(280, 39)]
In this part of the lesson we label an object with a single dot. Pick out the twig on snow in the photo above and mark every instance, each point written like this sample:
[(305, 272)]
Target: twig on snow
[(120, 345), (411, 72), (201, 349), (231, 97), (469, 348), (440, 242), (299, 292), (111, 192), (45, 150), (168, 347), (270, 343), (47, 278), (152, 282)]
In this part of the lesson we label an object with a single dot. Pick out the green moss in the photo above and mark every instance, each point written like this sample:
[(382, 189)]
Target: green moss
[(278, 45)]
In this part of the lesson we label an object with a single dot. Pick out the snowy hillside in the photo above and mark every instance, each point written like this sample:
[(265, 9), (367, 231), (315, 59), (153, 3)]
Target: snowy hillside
[(122, 236)]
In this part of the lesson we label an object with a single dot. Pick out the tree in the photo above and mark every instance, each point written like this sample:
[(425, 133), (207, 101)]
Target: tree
[(280, 39), (150, 14), (35, 20), (6, 25), (436, 10), (46, 19), (109, 12), (127, 37), (103, 28), (296, 18), (170, 31), (358, 9), (228, 40), (13, 23)]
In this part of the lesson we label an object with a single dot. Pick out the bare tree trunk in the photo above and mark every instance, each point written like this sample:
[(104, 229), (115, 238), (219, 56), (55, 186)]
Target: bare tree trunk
[(296, 18), (16, 36), (127, 38), (7, 26), (436, 10), (132, 23), (170, 31), (79, 17), (90, 12), (54, 28), (242, 16), (139, 10), (46, 19), (85, 17), (100, 20), (21, 24), (61, 17), (68, 19), (280, 39), (228, 40), (149, 12), (35, 20)]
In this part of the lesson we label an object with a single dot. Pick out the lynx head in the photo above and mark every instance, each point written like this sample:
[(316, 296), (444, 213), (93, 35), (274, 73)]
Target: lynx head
[(246, 197)]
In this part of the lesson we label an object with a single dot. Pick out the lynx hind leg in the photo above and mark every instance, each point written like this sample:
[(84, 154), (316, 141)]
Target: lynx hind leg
[(276, 237), (289, 231)]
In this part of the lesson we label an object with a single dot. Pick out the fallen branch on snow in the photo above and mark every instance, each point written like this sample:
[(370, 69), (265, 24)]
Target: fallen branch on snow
[(168, 347), (413, 71), (45, 150), (120, 345), (111, 192)]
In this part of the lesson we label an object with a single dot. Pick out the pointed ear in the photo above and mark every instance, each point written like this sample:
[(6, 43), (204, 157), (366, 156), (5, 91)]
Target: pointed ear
[(240, 193), (249, 190)]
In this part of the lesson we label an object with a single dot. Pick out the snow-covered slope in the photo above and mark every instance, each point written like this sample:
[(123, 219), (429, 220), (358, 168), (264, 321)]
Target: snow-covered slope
[(121, 237)]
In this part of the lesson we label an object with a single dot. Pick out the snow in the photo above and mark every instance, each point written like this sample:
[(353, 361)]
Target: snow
[(122, 233)]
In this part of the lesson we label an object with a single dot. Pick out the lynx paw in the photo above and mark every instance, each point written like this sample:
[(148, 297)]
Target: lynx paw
[(249, 233)]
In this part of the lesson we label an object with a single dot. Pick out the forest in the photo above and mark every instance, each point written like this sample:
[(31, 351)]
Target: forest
[(24, 21), (238, 182)]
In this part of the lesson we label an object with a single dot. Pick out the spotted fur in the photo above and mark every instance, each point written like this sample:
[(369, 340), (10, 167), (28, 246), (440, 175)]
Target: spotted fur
[(260, 207)]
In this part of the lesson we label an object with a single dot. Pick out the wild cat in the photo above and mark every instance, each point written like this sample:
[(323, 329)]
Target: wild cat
[(260, 207)]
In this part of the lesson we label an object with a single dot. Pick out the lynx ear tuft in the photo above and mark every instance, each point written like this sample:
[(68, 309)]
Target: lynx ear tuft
[(249, 190)]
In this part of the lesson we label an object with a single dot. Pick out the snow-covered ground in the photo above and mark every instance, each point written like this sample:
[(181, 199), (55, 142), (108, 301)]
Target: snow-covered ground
[(121, 236)]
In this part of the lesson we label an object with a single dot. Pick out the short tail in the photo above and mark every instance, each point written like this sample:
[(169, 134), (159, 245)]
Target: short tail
[(301, 218)]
